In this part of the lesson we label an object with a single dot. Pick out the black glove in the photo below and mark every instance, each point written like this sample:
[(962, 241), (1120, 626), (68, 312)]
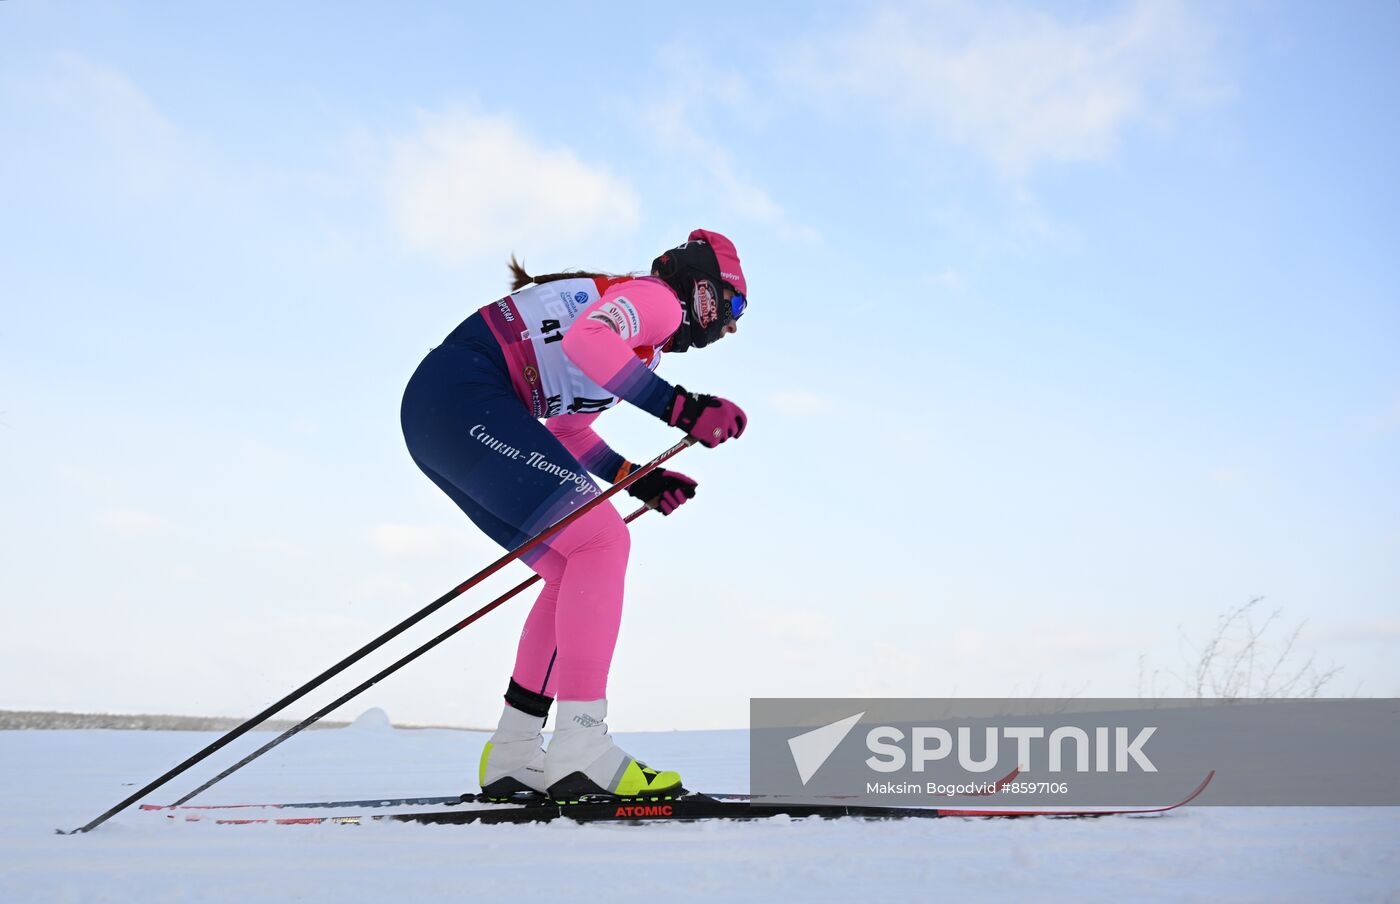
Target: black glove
[(664, 491)]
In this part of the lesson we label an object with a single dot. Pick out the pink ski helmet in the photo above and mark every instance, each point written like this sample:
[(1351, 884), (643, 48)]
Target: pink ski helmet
[(697, 271), (728, 258)]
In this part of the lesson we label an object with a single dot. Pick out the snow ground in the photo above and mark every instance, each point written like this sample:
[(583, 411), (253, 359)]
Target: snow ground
[(62, 779)]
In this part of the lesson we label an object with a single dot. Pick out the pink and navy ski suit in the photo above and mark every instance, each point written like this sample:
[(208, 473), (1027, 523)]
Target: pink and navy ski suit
[(563, 351)]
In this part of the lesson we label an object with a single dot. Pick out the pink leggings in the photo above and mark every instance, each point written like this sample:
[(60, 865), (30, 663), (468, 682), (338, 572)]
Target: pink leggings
[(568, 640)]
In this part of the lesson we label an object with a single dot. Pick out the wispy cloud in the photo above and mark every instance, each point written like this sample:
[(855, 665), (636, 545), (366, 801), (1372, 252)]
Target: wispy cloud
[(701, 101), (130, 145), (1384, 420), (1229, 478), (1016, 84), (130, 524), (465, 184), (949, 279)]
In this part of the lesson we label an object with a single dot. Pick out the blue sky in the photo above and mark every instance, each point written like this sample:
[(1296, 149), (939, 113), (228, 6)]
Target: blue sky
[(1073, 326)]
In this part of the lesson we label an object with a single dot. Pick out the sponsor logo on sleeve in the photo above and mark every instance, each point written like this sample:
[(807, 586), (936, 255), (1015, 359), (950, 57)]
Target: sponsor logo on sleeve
[(610, 321), (621, 315)]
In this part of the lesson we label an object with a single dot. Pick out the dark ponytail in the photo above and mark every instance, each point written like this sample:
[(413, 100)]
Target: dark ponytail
[(519, 279)]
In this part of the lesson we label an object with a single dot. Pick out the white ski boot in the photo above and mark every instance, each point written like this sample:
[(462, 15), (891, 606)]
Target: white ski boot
[(513, 761), (583, 760)]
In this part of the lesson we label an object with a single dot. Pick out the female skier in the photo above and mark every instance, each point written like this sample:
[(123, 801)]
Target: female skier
[(565, 347)]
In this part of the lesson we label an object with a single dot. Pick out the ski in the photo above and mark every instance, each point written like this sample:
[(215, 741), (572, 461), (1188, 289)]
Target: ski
[(454, 799), (1121, 811), (688, 807), (444, 800)]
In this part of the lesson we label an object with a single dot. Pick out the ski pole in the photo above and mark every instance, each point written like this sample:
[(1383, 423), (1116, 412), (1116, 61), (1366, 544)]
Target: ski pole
[(389, 635), (380, 676)]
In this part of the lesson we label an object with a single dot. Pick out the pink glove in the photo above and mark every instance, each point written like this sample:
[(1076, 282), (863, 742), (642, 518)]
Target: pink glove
[(709, 419)]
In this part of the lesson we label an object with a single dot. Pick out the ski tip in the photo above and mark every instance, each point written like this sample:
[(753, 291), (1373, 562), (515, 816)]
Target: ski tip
[(1199, 788), (1185, 800)]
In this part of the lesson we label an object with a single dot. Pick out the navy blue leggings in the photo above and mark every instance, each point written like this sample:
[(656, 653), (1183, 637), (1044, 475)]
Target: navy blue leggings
[(473, 437), (469, 432)]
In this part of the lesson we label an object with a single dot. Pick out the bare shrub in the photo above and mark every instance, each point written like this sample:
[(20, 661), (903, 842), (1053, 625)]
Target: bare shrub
[(1249, 655)]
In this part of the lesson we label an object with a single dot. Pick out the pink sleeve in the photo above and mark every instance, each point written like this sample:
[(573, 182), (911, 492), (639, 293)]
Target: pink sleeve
[(575, 432), (636, 314)]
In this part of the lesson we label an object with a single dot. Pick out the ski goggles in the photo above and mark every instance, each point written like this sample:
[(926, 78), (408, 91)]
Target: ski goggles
[(737, 305)]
